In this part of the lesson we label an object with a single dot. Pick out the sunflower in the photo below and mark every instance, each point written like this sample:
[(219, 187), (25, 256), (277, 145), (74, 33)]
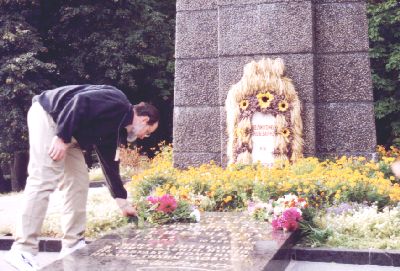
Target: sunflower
[(285, 132), (241, 133), (283, 106), (264, 99), (244, 104)]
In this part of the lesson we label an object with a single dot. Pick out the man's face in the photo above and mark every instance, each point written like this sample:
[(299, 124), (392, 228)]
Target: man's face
[(141, 128)]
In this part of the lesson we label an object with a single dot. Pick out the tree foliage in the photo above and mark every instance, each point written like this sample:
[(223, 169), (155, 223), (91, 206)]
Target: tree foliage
[(22, 72), (128, 43), (125, 43), (384, 35), (48, 43)]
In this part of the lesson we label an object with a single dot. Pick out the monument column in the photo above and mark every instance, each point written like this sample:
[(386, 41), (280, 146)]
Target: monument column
[(345, 110), (250, 30), (324, 45), (197, 129)]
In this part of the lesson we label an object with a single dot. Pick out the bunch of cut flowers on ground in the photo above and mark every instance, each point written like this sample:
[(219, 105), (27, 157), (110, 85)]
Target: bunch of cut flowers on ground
[(165, 209), (285, 213)]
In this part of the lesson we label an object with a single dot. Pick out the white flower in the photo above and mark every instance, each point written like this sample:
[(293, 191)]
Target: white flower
[(196, 215), (278, 210)]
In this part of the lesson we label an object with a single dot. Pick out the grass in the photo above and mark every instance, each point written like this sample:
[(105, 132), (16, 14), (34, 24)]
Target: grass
[(96, 174), (103, 215)]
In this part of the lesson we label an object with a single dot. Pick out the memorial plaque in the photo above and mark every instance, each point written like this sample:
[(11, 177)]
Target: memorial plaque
[(263, 115), (221, 241), (263, 138)]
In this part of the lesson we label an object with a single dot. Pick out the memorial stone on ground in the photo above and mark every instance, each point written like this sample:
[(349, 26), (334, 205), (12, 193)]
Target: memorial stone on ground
[(221, 241)]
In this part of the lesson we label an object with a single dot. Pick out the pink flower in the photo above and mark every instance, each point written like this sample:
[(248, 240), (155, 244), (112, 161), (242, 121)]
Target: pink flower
[(277, 223), (288, 220), (290, 225), (153, 200), (291, 214), (168, 204)]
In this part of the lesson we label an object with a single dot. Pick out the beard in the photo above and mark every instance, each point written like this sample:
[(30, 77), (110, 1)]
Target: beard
[(132, 135)]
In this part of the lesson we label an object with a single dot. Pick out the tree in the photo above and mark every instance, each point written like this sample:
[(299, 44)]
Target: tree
[(125, 43), (48, 43), (384, 35), (22, 74)]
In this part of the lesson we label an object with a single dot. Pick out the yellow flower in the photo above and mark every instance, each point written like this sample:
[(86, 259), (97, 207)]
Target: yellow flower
[(283, 106), (244, 104), (285, 132), (159, 192), (227, 199), (173, 190), (264, 99)]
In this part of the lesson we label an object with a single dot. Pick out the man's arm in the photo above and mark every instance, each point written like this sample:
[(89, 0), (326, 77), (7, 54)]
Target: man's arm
[(110, 169)]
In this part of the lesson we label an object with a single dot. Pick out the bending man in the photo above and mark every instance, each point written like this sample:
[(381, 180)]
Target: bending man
[(62, 122)]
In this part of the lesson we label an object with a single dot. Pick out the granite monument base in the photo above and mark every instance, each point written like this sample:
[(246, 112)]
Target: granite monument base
[(221, 241)]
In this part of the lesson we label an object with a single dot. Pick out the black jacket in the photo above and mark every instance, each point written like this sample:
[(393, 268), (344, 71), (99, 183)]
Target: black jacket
[(95, 115)]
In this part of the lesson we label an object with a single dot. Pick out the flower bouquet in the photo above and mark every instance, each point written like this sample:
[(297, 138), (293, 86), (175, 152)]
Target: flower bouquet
[(284, 213), (165, 209)]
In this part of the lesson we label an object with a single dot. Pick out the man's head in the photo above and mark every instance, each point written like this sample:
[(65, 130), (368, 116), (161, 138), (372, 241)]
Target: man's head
[(145, 121)]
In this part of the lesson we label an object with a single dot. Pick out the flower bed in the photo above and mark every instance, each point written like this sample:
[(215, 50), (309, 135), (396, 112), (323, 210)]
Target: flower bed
[(322, 184), (214, 188), (352, 225)]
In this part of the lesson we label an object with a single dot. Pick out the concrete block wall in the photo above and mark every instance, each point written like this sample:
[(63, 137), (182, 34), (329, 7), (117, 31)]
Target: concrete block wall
[(325, 48)]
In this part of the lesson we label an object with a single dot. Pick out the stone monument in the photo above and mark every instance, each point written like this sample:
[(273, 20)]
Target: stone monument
[(324, 45)]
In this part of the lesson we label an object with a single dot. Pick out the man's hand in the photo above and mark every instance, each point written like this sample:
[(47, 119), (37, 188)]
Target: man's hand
[(126, 208), (396, 168), (57, 149)]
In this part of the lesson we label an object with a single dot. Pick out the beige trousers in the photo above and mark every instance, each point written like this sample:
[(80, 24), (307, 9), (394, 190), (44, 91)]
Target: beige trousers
[(70, 175)]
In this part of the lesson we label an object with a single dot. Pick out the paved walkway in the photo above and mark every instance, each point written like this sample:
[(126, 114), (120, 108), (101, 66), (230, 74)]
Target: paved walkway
[(317, 266), (43, 259)]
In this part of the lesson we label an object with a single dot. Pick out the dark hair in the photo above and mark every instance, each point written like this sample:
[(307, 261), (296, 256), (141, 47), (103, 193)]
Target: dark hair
[(146, 109)]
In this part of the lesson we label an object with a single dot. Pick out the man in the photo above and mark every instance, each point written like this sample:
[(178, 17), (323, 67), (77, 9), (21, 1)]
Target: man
[(62, 122)]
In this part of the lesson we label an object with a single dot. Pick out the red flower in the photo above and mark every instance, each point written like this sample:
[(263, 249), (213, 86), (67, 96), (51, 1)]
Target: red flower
[(167, 203)]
